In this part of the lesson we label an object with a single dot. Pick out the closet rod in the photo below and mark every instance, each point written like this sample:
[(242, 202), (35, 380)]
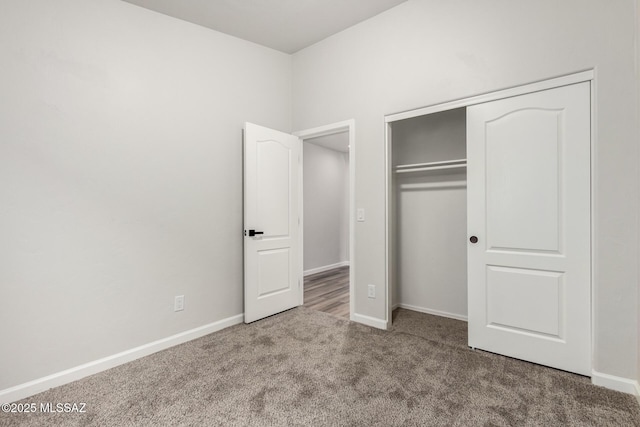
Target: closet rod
[(453, 164), (421, 186), (445, 162)]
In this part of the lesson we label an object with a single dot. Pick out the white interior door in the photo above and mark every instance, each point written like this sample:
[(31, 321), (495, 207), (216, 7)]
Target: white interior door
[(529, 208), (272, 251)]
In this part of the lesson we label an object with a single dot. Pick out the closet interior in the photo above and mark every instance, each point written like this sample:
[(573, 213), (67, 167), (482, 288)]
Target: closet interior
[(429, 214)]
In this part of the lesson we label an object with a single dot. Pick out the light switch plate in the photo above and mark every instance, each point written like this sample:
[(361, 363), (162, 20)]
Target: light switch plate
[(360, 214), (178, 303), (371, 291)]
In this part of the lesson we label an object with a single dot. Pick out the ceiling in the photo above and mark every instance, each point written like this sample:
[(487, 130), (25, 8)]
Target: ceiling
[(336, 141), (284, 25)]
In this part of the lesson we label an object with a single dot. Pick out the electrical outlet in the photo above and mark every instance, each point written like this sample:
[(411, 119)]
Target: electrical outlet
[(371, 291), (178, 303)]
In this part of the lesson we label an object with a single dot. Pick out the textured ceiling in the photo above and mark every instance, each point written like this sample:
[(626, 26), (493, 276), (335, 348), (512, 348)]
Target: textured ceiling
[(284, 25)]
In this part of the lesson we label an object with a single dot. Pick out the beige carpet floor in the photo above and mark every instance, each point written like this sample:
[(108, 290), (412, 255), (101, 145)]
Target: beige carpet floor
[(304, 367)]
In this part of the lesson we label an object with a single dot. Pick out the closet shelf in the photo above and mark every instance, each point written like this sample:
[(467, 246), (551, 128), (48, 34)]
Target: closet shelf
[(432, 166)]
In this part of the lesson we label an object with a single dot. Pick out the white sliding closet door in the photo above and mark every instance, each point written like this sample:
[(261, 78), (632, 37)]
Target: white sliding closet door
[(529, 216)]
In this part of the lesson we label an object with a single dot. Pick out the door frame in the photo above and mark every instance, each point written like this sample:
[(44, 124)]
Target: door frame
[(579, 77), (330, 129)]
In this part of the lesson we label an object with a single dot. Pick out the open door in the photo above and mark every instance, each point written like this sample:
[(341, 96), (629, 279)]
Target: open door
[(272, 250), (529, 252)]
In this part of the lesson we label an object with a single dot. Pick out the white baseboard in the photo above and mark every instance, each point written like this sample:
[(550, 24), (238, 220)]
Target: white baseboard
[(624, 385), (325, 268), (73, 374), (369, 321), (431, 311)]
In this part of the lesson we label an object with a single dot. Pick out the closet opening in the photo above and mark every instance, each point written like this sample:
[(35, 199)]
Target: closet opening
[(428, 214), (489, 218)]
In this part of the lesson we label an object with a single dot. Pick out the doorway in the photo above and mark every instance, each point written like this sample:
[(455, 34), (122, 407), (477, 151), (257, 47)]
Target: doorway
[(326, 223), (328, 170)]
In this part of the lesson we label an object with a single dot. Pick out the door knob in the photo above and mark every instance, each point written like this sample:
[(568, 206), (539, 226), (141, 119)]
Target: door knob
[(254, 233), (473, 239)]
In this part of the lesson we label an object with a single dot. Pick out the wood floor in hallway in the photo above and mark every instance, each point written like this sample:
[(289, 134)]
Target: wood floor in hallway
[(328, 291)]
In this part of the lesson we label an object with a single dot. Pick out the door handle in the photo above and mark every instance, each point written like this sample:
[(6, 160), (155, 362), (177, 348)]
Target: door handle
[(253, 233), (473, 239)]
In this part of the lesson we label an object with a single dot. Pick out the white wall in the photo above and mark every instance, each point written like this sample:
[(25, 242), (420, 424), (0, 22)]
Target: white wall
[(326, 209), (637, 42), (120, 176), (426, 52), (430, 215)]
